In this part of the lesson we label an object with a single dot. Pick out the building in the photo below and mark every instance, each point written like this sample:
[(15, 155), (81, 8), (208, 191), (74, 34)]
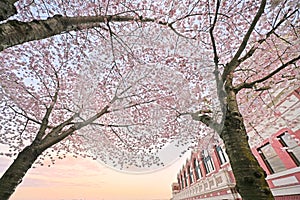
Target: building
[(206, 175), (274, 142), (277, 149)]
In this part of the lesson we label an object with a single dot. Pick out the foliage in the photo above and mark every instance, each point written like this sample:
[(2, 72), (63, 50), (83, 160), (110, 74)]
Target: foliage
[(140, 78)]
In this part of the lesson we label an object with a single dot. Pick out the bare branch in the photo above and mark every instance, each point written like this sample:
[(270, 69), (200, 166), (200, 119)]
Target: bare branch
[(219, 82), (252, 84), (29, 92), (118, 136), (26, 123), (255, 131), (134, 105), (234, 61), (211, 30), (272, 31), (53, 138), (116, 125), (24, 115), (44, 125)]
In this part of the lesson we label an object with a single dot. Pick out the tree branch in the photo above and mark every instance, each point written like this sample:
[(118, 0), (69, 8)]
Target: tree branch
[(119, 136), (207, 120), (252, 84), (15, 32), (234, 61), (55, 137), (272, 31), (7, 9), (220, 90), (44, 125), (134, 105), (213, 41), (115, 125), (24, 115)]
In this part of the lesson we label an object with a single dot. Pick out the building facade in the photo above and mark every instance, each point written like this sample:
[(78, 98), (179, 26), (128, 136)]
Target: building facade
[(277, 149), (207, 174)]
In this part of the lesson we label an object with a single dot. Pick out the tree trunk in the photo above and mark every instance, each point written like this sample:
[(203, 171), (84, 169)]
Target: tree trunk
[(15, 173), (7, 9), (250, 177), (16, 32)]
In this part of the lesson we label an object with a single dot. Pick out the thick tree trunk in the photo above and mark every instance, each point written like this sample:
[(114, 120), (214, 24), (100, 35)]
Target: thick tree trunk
[(15, 173), (7, 9), (250, 177)]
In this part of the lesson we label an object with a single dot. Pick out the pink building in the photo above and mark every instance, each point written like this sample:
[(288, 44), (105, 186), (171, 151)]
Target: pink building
[(208, 174), (278, 152)]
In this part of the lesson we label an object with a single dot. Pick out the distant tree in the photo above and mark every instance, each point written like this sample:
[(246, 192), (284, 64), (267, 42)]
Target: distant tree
[(121, 91)]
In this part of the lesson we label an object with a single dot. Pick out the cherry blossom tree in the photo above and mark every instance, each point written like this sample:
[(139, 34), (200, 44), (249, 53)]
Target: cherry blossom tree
[(121, 80)]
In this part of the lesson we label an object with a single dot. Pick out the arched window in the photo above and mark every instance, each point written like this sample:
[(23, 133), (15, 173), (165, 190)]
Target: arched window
[(221, 155), (185, 178), (197, 169), (181, 180), (190, 171), (208, 163)]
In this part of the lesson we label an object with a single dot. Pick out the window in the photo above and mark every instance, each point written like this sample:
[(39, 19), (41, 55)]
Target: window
[(293, 149), (197, 169), (181, 181), (190, 171), (185, 178), (221, 155), (208, 164), (271, 159)]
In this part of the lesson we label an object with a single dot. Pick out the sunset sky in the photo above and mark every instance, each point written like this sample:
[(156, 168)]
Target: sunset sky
[(86, 179)]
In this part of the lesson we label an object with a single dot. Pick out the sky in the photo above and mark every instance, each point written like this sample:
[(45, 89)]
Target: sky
[(87, 179)]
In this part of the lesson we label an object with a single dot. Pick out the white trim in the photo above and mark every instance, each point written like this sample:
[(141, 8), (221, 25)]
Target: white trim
[(193, 190), (225, 196), (290, 190), (285, 181), (283, 173)]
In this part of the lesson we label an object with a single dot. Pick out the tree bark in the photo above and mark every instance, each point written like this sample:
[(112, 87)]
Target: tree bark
[(17, 170), (16, 32), (15, 173), (7, 9), (250, 177)]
